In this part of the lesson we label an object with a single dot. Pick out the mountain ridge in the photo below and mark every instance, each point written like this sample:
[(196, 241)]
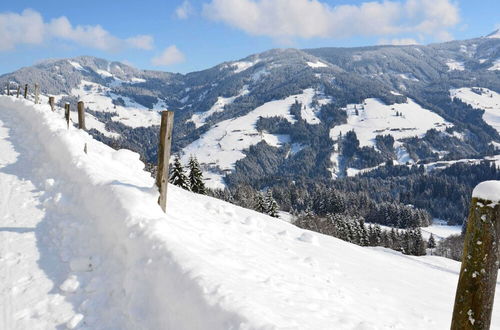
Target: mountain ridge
[(291, 104)]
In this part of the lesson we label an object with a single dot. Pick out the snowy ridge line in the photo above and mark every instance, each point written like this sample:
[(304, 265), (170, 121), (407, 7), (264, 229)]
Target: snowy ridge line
[(152, 289)]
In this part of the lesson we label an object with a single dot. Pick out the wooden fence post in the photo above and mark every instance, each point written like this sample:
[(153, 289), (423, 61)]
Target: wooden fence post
[(18, 90), (167, 122), (26, 91), (36, 93), (81, 115), (8, 88), (51, 102), (478, 275), (66, 113)]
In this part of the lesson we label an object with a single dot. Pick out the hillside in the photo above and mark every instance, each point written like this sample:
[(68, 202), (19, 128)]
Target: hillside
[(86, 246), (280, 118)]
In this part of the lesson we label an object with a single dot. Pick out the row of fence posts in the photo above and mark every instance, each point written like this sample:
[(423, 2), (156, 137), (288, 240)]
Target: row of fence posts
[(166, 128), (18, 91)]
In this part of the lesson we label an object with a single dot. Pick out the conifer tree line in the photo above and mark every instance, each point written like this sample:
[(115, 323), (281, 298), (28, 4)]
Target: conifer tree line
[(354, 230), (193, 181)]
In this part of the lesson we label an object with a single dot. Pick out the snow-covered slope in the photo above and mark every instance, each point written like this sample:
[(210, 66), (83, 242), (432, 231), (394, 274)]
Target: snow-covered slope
[(224, 143), (481, 98), (373, 117), (110, 259)]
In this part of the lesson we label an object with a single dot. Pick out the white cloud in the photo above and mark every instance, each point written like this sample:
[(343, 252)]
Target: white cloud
[(312, 18), (24, 28), (398, 42), (171, 55), (30, 28), (141, 42), (184, 10)]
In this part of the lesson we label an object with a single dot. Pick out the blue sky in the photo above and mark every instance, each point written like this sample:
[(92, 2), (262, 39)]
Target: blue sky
[(184, 36)]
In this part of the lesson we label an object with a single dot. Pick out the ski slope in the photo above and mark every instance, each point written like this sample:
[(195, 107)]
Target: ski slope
[(96, 252)]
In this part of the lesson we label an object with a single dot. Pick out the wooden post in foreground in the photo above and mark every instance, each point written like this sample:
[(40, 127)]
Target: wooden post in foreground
[(167, 121), (18, 90), (37, 91), (480, 261), (8, 88), (51, 102), (81, 115), (66, 113), (26, 91)]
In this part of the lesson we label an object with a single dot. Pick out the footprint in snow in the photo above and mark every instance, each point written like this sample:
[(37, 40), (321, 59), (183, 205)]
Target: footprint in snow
[(308, 238)]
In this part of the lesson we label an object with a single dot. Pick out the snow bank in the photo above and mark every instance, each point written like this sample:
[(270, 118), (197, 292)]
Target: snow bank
[(487, 190), (207, 264)]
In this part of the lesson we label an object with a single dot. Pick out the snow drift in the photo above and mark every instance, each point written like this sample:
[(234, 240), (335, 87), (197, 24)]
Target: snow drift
[(206, 264)]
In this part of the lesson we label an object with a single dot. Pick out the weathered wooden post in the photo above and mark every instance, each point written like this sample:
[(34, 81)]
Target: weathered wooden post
[(480, 261), (51, 102), (66, 113), (36, 93), (26, 91), (167, 122), (18, 90), (81, 115), (8, 88)]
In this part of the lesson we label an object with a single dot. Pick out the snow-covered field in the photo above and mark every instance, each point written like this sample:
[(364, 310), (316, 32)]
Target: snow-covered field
[(487, 100), (100, 98), (84, 245), (455, 66), (224, 143), (373, 118)]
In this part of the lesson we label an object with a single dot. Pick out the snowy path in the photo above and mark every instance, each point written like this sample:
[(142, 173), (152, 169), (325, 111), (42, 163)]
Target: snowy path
[(27, 296)]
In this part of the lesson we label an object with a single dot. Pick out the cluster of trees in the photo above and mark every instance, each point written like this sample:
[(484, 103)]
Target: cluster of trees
[(354, 230), (398, 215), (193, 181), (266, 204)]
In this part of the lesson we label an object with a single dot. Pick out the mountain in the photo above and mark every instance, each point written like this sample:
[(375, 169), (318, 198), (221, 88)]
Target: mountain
[(283, 117), (84, 245)]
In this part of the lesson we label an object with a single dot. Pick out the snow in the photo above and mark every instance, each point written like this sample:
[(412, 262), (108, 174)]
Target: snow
[(243, 65), (206, 264), (317, 64), (488, 100), (77, 66), (495, 66), (440, 230), (455, 65), (376, 118), (100, 98), (104, 73), (494, 34), (200, 118), (405, 77), (224, 143), (488, 190), (276, 140), (308, 112), (403, 157)]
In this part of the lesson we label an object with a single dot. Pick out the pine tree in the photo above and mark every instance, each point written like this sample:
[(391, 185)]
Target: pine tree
[(272, 206), (178, 177), (431, 244), (419, 247), (260, 205), (196, 177)]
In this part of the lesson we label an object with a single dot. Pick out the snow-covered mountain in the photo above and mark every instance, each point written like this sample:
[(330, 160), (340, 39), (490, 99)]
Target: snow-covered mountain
[(84, 245), (278, 116)]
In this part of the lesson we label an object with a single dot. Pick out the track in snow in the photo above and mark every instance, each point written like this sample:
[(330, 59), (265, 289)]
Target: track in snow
[(28, 297)]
